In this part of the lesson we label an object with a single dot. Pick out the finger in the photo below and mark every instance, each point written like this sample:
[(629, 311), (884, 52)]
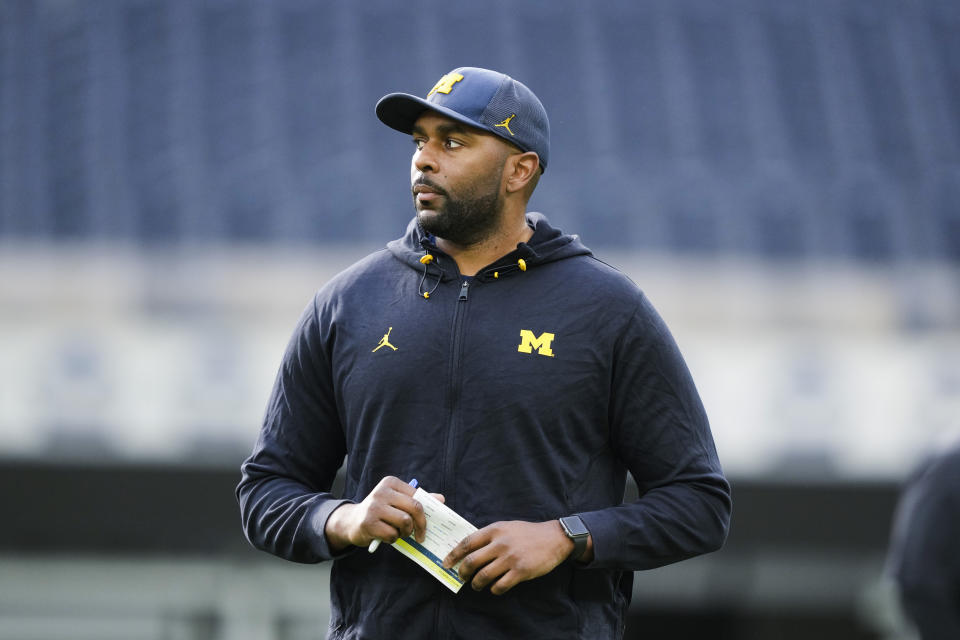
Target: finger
[(388, 523), (419, 521), (476, 561), (505, 582), (390, 485), (403, 501), (417, 517), (439, 496), (404, 487), (387, 482), (488, 574), (466, 546), (386, 498)]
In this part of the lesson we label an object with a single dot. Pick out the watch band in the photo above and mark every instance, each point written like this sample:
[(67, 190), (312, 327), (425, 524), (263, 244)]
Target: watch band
[(577, 531)]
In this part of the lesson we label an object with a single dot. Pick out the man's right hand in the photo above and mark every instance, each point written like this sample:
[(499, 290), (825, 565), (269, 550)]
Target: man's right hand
[(389, 512)]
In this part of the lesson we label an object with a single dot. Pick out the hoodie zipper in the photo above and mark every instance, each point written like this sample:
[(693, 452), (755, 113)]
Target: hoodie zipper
[(453, 422), (455, 373)]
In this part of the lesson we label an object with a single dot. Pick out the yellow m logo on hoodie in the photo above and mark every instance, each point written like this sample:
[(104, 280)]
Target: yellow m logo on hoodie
[(529, 342)]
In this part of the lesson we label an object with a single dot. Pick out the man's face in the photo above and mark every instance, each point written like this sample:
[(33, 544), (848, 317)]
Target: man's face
[(456, 179)]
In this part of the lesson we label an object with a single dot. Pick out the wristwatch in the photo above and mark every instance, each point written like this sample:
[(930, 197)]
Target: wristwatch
[(577, 531)]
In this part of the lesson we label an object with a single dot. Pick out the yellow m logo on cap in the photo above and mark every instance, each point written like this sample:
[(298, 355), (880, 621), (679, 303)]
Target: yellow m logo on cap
[(445, 84), (529, 342)]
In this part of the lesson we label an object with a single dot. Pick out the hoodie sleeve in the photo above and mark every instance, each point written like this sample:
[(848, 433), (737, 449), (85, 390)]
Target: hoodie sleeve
[(660, 429), (284, 490), (923, 548)]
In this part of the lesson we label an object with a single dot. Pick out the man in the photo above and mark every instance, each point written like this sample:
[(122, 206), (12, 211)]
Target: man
[(923, 556), (526, 378)]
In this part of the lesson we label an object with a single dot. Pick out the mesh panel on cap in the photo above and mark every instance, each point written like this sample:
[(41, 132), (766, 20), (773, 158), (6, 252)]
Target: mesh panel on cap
[(529, 125)]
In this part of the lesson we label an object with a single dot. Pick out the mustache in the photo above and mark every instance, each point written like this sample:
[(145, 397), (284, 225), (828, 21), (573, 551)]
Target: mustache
[(426, 182)]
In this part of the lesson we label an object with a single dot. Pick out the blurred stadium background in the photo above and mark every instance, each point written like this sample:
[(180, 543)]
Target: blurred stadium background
[(177, 178)]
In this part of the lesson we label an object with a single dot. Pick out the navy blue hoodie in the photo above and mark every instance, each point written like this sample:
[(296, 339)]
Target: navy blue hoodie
[(527, 393), (923, 556)]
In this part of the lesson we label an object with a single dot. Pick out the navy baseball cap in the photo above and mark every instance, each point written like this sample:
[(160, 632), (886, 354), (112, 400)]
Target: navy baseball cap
[(481, 98)]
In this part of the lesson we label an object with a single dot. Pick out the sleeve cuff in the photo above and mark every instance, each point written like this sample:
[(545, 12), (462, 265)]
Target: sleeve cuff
[(603, 534), (318, 521)]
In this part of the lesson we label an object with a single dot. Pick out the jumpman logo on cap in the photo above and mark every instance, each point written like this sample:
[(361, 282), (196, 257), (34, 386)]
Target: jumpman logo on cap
[(506, 123)]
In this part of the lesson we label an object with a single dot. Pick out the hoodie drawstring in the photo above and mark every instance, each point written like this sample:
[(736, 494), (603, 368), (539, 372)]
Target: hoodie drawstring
[(426, 260), (521, 264)]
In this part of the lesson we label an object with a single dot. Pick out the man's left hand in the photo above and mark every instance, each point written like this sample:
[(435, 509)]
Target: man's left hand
[(503, 554)]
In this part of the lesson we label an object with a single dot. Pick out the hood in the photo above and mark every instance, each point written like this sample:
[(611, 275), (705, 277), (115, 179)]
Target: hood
[(418, 250)]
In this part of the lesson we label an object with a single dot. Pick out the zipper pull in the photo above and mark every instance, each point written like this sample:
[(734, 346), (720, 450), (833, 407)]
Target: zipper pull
[(463, 290)]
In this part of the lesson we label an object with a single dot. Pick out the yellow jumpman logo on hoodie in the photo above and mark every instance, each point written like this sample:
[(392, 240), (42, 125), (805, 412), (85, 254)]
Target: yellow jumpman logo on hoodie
[(385, 341)]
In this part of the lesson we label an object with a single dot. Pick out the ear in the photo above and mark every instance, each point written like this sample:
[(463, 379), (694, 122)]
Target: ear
[(520, 170)]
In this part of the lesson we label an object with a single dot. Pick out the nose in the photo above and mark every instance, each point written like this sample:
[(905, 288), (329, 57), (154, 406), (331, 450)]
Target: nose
[(424, 159)]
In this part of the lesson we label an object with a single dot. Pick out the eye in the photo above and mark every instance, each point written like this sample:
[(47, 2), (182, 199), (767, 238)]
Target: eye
[(418, 143), (453, 144)]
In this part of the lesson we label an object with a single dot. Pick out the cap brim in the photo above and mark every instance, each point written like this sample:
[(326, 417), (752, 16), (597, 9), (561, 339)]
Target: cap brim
[(400, 110)]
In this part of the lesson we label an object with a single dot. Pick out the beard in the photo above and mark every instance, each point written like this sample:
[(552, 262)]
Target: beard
[(465, 220)]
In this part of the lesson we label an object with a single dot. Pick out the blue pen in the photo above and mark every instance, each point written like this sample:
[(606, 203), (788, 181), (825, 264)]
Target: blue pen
[(376, 541)]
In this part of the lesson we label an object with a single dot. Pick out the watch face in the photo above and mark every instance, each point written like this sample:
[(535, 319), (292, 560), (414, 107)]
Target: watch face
[(574, 526)]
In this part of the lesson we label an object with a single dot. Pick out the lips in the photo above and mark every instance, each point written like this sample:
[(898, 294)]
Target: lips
[(419, 189), (425, 193)]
